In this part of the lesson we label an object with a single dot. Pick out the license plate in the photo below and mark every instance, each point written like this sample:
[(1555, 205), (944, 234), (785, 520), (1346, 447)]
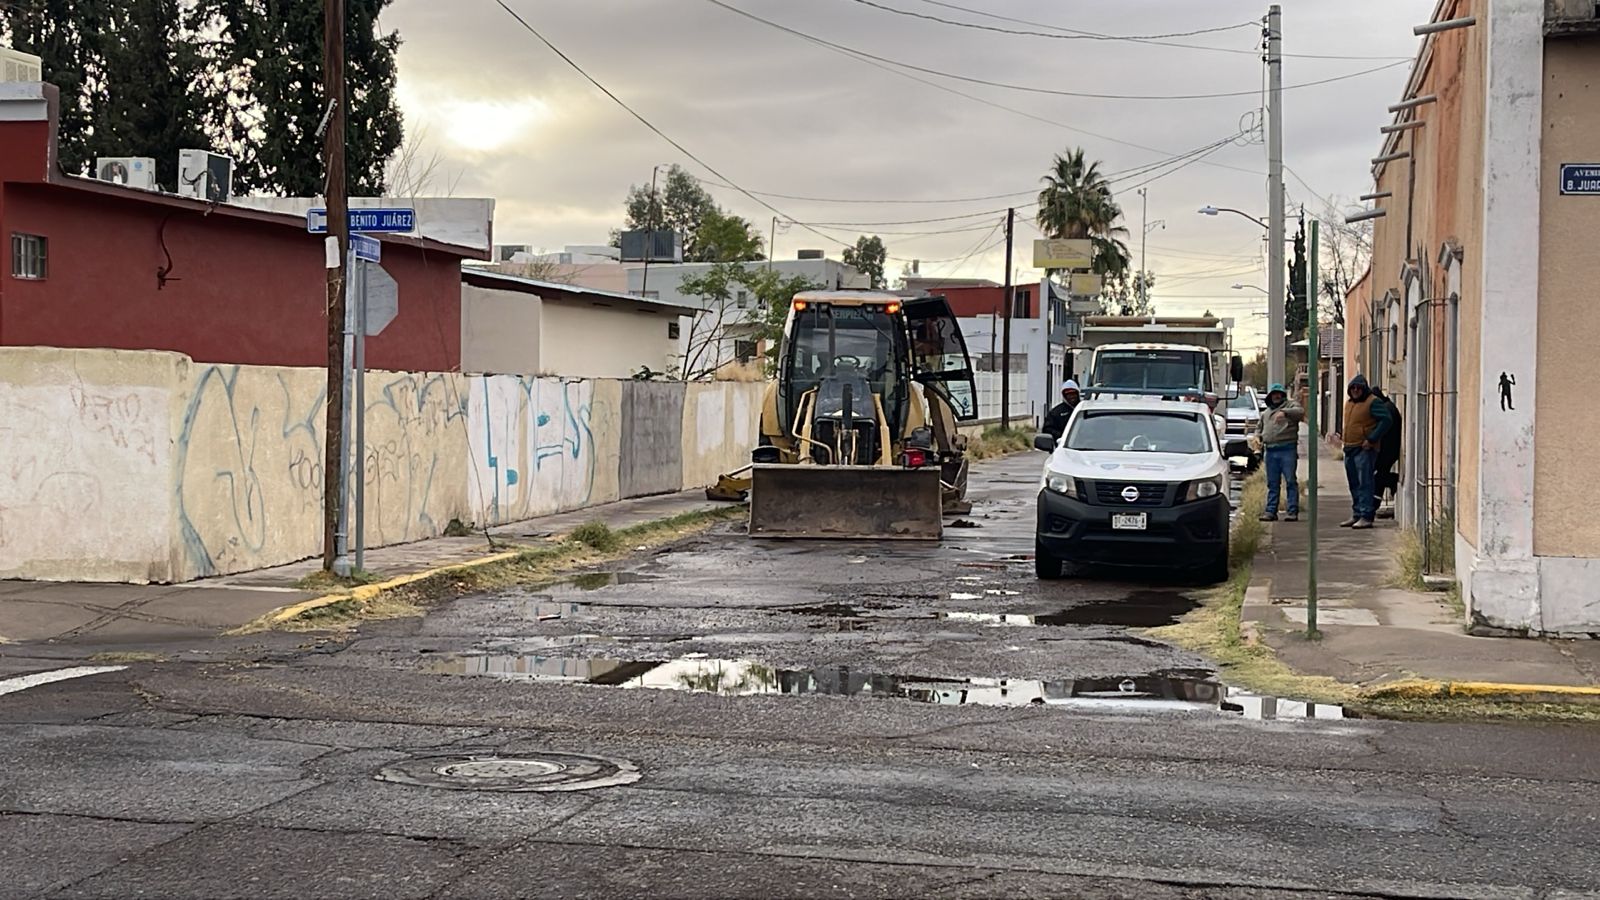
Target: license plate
[(1129, 521)]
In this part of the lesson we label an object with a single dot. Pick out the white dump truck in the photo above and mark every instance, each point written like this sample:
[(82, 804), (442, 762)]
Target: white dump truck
[(1164, 357)]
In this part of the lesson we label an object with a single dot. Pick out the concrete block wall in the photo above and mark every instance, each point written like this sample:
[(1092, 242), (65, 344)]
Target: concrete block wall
[(141, 466)]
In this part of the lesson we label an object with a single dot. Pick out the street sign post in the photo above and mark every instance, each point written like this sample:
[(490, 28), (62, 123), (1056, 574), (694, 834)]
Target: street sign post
[(1580, 179), (366, 221), (373, 301), (365, 248)]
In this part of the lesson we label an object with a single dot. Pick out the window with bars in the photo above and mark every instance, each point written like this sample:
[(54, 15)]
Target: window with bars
[(30, 256)]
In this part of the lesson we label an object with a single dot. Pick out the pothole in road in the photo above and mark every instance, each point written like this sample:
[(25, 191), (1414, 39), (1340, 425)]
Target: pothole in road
[(527, 772), (1140, 609), (1174, 690)]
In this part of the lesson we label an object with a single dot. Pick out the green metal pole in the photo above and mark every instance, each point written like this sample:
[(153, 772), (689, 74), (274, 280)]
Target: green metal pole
[(1312, 416)]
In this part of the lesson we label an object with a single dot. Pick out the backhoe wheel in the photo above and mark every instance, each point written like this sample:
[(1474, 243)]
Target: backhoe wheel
[(1047, 565)]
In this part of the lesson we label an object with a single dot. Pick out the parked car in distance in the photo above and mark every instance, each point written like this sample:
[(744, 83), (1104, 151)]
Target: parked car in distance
[(1134, 482), (1243, 421)]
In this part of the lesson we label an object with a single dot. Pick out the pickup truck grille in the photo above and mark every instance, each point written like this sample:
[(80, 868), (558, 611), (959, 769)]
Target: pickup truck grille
[(1151, 494)]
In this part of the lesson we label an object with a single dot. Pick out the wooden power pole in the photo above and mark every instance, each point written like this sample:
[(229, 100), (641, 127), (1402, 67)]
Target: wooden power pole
[(1005, 345), (338, 243)]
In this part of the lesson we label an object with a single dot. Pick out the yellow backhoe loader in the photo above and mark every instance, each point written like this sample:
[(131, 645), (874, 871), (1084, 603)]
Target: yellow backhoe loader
[(858, 431)]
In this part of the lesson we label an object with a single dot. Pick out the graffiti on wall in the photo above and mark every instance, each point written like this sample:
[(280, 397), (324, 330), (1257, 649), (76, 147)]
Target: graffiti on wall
[(82, 470), (249, 475), (533, 447)]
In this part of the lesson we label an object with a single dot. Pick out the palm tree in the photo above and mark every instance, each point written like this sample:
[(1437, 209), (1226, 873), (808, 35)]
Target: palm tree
[(1077, 203)]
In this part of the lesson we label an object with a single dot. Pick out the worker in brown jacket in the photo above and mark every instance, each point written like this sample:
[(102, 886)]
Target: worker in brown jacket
[(1365, 423)]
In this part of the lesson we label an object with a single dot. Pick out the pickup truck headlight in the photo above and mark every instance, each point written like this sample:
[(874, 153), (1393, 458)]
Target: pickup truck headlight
[(1065, 485), (1203, 488), (1250, 426)]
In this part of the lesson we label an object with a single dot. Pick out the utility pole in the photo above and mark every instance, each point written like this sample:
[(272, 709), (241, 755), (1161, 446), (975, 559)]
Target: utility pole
[(650, 233), (1005, 350), (772, 245), (1144, 238), (1276, 352), (338, 241), (1312, 416)]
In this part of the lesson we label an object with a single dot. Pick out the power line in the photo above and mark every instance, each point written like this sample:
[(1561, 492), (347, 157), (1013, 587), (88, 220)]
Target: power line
[(1064, 34), (1010, 109), (1137, 39), (1082, 95), (650, 125)]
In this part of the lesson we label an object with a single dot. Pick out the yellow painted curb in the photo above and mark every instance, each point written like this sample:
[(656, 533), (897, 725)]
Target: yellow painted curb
[(368, 591), (1425, 689)]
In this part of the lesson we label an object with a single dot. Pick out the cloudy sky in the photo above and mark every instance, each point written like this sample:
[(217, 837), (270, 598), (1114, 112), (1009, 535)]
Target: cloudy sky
[(778, 114)]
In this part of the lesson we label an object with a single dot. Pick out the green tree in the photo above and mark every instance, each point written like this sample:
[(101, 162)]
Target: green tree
[(1077, 202), (768, 296), (1295, 312), (1126, 296), (266, 95), (679, 204), (869, 256), (724, 237), (72, 43), (154, 70)]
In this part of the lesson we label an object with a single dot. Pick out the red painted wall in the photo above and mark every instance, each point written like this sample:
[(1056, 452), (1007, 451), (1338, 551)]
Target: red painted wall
[(982, 301), (243, 291)]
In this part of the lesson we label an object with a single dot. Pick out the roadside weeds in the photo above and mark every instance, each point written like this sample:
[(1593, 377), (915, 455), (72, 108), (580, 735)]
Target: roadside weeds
[(996, 442), (412, 595), (1215, 631), (1214, 628)]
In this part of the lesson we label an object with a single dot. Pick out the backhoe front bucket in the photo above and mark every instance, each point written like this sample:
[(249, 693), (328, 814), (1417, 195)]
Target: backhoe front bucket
[(864, 502)]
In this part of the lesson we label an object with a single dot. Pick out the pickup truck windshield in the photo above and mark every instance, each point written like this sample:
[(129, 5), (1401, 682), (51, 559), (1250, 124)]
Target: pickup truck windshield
[(1245, 400), (1140, 432), (1173, 370)]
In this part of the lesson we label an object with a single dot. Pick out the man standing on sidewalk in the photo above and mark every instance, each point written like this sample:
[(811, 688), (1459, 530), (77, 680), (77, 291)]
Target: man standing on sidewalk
[(1365, 423), (1280, 446)]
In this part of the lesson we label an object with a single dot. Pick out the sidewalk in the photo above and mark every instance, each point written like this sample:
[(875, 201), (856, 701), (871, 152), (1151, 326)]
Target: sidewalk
[(1372, 632), (115, 614)]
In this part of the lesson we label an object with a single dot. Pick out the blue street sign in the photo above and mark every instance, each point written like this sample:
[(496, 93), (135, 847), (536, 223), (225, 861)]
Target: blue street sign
[(1580, 178), (369, 249), (370, 221)]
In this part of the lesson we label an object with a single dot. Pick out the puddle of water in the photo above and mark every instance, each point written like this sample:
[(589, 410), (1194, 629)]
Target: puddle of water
[(594, 581), (743, 677), (1175, 689), (1140, 609)]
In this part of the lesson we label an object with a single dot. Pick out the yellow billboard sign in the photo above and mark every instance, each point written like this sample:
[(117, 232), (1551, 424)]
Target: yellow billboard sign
[(1082, 285), (1068, 253)]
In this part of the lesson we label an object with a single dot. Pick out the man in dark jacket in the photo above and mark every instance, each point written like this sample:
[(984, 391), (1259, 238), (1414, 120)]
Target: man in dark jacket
[(1385, 477), (1055, 421), (1366, 421), (1280, 448)]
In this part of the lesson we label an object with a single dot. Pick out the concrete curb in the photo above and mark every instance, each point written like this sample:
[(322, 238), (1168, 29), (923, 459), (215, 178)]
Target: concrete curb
[(1427, 689), (367, 592)]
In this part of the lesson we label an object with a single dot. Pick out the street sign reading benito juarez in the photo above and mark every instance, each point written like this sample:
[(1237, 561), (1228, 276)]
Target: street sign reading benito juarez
[(1072, 253), (1580, 178)]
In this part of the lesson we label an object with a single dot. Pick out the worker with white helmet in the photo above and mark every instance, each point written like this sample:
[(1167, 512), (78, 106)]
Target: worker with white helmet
[(1055, 422)]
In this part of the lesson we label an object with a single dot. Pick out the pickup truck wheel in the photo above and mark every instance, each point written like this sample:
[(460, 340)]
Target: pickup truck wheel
[(1046, 565), (1216, 571)]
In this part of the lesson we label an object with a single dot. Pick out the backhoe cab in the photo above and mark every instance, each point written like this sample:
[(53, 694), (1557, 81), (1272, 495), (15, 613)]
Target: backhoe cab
[(858, 432)]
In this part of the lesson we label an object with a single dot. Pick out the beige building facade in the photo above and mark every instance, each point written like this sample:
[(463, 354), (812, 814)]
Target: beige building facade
[(1481, 316), (518, 326)]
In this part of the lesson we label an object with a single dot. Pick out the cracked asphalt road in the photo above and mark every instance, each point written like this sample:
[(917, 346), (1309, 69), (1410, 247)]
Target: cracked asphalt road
[(807, 762)]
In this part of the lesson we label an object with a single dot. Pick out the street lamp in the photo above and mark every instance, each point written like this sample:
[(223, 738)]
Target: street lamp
[(1249, 287), (1213, 210)]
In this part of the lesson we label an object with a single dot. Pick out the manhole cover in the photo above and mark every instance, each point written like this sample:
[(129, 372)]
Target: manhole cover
[(527, 772)]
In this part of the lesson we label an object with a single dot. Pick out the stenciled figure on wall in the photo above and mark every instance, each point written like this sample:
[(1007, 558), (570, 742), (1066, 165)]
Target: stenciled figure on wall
[(1506, 383)]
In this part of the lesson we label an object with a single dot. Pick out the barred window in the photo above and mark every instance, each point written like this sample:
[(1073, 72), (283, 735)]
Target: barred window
[(30, 256)]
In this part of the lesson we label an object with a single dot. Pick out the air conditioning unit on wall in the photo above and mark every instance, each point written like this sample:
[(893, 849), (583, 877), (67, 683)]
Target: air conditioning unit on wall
[(18, 66), (204, 175), (133, 171)]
